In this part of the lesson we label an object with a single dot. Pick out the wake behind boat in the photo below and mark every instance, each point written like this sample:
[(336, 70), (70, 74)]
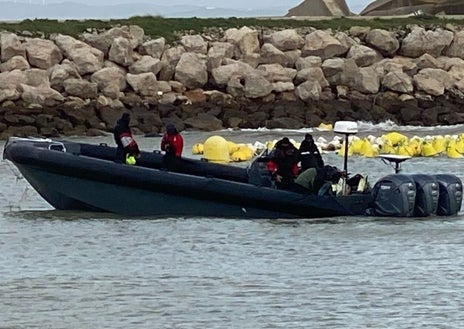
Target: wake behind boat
[(81, 176)]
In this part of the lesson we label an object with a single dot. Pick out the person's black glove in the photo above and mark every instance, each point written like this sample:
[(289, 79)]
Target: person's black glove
[(170, 149)]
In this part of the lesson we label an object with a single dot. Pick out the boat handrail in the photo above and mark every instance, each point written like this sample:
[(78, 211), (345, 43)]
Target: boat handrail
[(57, 146), (13, 139), (39, 141)]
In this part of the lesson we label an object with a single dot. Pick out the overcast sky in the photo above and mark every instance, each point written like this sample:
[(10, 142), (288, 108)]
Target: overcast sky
[(355, 5)]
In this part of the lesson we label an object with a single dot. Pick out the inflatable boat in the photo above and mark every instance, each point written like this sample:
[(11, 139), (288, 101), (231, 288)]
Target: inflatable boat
[(82, 176)]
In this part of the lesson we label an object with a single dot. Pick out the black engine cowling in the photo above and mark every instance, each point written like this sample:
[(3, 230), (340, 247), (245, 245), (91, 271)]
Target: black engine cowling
[(417, 195), (394, 195), (427, 195), (450, 199)]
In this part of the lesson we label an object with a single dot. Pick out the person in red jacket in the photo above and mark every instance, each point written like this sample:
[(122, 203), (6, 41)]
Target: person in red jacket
[(283, 164), (172, 142)]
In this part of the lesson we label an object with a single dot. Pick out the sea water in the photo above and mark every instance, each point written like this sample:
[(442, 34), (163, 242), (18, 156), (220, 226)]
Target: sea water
[(63, 269)]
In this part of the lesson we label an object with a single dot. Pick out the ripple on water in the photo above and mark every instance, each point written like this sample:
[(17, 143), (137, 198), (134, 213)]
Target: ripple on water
[(71, 270)]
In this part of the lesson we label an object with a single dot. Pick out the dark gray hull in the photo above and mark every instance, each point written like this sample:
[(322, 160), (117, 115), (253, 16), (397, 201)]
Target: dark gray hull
[(79, 194), (72, 181)]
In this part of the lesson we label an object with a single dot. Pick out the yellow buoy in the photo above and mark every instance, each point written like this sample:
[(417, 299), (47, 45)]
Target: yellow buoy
[(232, 147), (368, 150), (428, 150), (451, 151), (404, 150), (325, 127), (439, 143), (270, 144), (197, 149), (357, 146), (460, 144), (415, 145), (216, 149), (372, 153), (243, 153), (386, 147), (341, 150), (395, 138)]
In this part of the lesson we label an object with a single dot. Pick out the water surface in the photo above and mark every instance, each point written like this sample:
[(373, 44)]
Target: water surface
[(63, 269)]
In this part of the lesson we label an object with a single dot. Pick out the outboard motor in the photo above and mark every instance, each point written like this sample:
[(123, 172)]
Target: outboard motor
[(394, 196), (449, 202), (427, 193)]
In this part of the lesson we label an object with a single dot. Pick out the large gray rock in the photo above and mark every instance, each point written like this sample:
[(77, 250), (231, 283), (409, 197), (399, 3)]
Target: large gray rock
[(245, 39), (384, 41), (367, 81), (398, 81), (153, 48), (191, 70), (80, 88), (456, 49), (307, 62), (15, 63), (363, 55), (222, 74), (43, 53), (86, 58), (146, 64), (270, 55), (60, 72), (217, 53), (194, 44), (256, 85), (420, 41), (12, 79), (121, 52), (280, 87), (9, 94), (312, 74), (432, 81), (286, 40), (276, 72), (110, 80), (322, 44), (41, 95), (169, 60), (144, 84), (11, 45), (37, 77), (309, 90)]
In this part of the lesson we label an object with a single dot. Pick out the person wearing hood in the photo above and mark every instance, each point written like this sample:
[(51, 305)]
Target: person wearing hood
[(172, 142), (126, 144), (310, 156), (283, 164)]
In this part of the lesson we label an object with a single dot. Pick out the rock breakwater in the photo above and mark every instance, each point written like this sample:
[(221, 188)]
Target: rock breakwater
[(244, 78)]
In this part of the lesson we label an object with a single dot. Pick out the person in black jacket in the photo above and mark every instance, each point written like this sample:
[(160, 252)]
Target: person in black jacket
[(310, 156), (283, 164), (124, 140)]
